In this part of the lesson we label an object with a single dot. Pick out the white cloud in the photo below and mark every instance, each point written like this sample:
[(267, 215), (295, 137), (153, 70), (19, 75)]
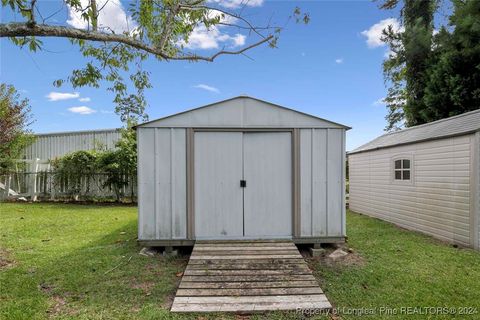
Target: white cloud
[(339, 60), (56, 96), (233, 4), (112, 17), (207, 87), (239, 40), (374, 33), (213, 37), (86, 99), (203, 38), (81, 110)]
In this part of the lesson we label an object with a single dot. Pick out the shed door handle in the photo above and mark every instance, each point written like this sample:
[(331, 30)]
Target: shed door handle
[(243, 183)]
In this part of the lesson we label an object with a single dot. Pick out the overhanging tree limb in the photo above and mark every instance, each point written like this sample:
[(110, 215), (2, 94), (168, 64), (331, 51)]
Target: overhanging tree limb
[(43, 30)]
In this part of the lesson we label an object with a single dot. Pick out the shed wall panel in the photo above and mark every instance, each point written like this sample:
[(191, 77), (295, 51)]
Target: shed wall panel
[(306, 182), (334, 182), (436, 201), (319, 182), (321, 173), (146, 185), (162, 183), (163, 180)]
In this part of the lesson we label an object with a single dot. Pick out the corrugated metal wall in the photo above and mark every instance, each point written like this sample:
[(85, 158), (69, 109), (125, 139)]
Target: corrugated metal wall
[(437, 202), (50, 146), (322, 200), (162, 183)]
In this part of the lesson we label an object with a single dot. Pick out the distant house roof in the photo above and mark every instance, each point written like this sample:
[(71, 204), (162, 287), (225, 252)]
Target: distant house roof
[(242, 111), (454, 126)]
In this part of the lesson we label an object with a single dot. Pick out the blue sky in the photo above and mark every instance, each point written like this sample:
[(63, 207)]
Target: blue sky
[(330, 68)]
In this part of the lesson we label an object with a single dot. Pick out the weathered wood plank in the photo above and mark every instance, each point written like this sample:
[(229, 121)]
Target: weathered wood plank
[(247, 285), (253, 256), (249, 299), (273, 261), (240, 248), (250, 242), (245, 252), (249, 278), (248, 292), (248, 266), (249, 307), (243, 272)]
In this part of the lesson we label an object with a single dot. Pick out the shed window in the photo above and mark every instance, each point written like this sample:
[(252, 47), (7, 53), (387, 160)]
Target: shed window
[(402, 169)]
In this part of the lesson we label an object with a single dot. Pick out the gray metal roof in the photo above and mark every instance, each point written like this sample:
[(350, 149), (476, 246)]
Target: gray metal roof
[(454, 126)]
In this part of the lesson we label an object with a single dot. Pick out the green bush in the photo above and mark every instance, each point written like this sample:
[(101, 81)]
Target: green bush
[(118, 166), (74, 169)]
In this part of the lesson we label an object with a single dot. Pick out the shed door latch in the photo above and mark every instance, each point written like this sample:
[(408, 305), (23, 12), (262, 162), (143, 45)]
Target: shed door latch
[(243, 183)]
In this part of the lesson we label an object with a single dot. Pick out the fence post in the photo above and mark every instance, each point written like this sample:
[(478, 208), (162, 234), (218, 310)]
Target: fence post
[(8, 182), (51, 184), (33, 180)]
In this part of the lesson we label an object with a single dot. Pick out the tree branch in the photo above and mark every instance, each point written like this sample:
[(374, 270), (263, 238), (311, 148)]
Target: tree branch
[(43, 30)]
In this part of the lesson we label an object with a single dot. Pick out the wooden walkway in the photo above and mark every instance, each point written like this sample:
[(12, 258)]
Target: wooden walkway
[(247, 276)]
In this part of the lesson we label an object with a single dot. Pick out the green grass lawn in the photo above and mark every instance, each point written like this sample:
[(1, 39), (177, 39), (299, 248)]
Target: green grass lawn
[(81, 262)]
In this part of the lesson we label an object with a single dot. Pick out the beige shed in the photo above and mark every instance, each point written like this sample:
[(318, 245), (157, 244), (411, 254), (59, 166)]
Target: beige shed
[(423, 178)]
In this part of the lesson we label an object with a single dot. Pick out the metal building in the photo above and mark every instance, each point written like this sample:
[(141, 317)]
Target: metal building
[(423, 178), (241, 168), (49, 146)]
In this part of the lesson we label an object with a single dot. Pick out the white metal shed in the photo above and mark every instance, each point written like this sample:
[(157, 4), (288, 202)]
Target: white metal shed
[(241, 168), (424, 178)]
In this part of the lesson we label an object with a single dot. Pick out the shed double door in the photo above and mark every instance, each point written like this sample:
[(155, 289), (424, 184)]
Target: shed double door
[(243, 185)]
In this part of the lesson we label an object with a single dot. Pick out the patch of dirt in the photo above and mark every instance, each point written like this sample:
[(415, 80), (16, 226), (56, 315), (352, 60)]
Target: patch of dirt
[(353, 258), (46, 288), (146, 287), (59, 304), (60, 307), (6, 259), (135, 309), (168, 301)]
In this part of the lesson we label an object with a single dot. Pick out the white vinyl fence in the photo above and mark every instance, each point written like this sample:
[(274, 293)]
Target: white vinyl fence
[(35, 181)]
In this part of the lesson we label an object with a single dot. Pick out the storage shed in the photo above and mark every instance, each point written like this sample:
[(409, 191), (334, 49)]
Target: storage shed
[(423, 178), (241, 168)]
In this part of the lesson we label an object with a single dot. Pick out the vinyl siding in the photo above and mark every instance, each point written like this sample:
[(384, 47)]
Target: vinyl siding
[(436, 201), (476, 207)]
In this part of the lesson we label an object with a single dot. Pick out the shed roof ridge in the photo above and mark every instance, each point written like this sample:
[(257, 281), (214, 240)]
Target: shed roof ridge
[(460, 124)]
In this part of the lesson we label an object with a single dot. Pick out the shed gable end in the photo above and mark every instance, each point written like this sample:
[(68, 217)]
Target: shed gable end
[(242, 112)]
